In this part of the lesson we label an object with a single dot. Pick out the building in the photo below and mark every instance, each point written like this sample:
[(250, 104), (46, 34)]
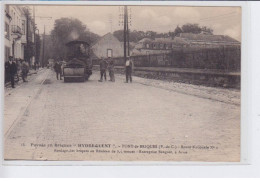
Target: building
[(108, 46), (14, 31), (148, 46), (207, 41), (8, 39), (18, 27)]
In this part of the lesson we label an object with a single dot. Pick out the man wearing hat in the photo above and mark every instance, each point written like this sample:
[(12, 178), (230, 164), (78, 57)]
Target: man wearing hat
[(128, 69), (11, 69), (103, 68)]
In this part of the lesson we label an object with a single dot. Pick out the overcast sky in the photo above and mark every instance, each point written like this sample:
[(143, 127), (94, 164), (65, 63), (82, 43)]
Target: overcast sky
[(223, 20)]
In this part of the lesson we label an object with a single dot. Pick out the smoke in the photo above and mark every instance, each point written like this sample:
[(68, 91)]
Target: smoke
[(74, 35)]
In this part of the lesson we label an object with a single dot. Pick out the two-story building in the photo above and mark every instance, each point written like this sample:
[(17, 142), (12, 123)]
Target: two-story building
[(18, 27), (8, 39)]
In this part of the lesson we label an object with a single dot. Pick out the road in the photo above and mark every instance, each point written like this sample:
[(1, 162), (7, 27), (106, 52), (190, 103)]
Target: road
[(198, 123)]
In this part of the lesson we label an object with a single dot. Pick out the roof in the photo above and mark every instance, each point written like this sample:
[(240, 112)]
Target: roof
[(144, 40), (179, 41), (207, 38), (163, 40), (102, 37)]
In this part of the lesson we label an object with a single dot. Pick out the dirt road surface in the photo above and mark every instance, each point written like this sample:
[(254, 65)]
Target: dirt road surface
[(47, 119)]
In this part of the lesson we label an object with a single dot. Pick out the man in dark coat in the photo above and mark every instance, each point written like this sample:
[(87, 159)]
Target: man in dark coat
[(57, 68), (103, 69), (111, 69), (128, 69), (11, 70)]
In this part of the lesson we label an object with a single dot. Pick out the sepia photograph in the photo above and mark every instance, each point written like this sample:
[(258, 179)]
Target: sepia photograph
[(122, 83)]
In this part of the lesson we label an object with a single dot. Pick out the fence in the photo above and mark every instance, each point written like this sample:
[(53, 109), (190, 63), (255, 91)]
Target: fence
[(224, 58)]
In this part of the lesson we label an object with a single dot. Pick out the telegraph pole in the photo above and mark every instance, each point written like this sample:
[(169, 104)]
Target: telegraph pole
[(43, 41), (34, 29), (125, 31), (43, 46)]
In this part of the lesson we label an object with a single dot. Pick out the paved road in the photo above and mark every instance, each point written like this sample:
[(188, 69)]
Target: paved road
[(116, 116)]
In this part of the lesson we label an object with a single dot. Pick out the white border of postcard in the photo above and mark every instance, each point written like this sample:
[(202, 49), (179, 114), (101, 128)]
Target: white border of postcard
[(245, 82)]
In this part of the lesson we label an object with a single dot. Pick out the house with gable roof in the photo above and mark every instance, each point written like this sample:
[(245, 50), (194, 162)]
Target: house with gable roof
[(108, 46)]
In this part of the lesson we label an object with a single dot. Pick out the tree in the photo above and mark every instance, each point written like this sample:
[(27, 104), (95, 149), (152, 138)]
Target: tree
[(37, 47), (207, 30), (119, 34), (29, 50), (196, 29), (177, 31), (68, 29), (191, 28)]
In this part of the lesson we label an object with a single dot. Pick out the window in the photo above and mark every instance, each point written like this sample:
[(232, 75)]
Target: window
[(7, 32), (154, 46), (109, 53), (7, 53), (7, 8), (147, 45), (23, 27), (161, 46)]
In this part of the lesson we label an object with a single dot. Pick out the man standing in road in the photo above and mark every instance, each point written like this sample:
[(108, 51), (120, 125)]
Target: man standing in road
[(11, 70), (111, 69), (128, 69), (57, 68), (103, 69)]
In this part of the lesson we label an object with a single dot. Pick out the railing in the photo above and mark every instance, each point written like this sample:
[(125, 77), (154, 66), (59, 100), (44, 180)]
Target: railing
[(16, 29)]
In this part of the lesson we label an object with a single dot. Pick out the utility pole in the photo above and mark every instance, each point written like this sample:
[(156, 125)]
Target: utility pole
[(43, 41), (125, 20), (127, 32), (43, 46), (34, 29)]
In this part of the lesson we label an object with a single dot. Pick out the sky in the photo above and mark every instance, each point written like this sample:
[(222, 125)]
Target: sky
[(103, 19)]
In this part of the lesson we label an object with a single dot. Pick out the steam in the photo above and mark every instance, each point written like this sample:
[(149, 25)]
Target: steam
[(74, 35)]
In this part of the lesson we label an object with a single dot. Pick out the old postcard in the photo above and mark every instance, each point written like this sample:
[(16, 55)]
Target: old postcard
[(122, 83)]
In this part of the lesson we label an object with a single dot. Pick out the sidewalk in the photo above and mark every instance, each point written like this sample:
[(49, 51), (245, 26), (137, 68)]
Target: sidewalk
[(8, 89), (17, 100)]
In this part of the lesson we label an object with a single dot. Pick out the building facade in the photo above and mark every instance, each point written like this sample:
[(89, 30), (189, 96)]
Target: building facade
[(108, 46), (148, 46), (18, 27), (8, 39), (208, 41)]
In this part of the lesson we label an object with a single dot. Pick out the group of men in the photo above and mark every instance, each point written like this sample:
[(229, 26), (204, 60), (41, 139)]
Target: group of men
[(104, 65), (16, 67), (109, 64)]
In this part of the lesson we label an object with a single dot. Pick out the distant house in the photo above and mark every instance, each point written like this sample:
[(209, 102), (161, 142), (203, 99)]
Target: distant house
[(148, 46), (206, 40), (108, 46)]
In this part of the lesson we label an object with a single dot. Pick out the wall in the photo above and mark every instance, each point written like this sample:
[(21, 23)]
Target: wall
[(108, 42), (17, 16), (225, 59)]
